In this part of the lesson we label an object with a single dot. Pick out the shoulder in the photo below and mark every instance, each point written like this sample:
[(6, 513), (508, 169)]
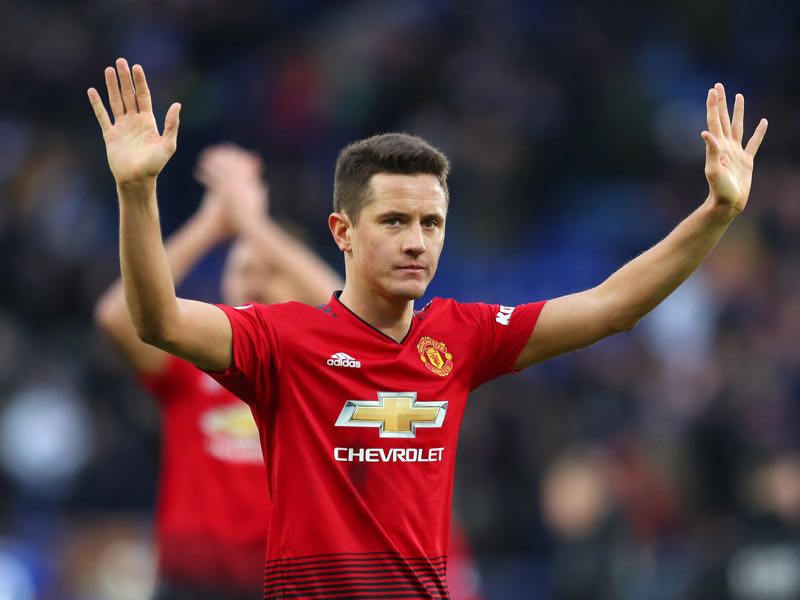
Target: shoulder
[(478, 314), (294, 317), (269, 312), (450, 308), (288, 309), (269, 321)]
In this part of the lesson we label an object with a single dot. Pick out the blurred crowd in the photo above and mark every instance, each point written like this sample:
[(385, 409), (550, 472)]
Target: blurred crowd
[(661, 464)]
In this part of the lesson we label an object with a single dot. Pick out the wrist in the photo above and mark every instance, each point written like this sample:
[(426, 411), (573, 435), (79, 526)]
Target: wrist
[(210, 227), (247, 223), (137, 188), (725, 213)]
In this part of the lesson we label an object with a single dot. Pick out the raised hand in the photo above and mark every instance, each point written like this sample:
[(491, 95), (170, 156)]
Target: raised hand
[(729, 167), (135, 149), (234, 176)]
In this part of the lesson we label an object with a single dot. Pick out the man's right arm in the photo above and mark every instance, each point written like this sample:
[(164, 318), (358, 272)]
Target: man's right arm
[(201, 232), (194, 331)]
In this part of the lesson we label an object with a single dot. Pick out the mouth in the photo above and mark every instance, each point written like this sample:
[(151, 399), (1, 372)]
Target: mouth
[(412, 269)]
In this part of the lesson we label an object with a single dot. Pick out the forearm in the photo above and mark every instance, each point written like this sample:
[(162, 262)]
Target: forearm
[(313, 279), (639, 286), (147, 280), (184, 249)]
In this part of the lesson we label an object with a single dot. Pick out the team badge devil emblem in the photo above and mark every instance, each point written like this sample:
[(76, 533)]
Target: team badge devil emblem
[(435, 356)]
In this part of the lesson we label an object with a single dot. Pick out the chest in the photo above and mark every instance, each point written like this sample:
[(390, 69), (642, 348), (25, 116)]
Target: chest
[(428, 362), (358, 385)]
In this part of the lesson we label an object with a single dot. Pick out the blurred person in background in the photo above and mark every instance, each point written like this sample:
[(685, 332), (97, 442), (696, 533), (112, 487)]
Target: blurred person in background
[(761, 560), (245, 346), (611, 514), (211, 517), (579, 511)]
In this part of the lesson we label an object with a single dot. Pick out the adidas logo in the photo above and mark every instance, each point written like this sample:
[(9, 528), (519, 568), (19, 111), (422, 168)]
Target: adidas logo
[(340, 359)]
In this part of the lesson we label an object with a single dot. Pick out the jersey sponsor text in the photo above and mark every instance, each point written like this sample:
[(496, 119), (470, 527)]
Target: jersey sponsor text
[(388, 454)]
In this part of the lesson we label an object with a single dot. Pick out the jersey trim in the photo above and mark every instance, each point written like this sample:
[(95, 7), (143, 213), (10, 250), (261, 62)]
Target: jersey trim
[(338, 293), (358, 575)]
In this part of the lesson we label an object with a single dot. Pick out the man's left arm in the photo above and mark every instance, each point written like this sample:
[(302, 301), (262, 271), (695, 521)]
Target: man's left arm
[(579, 320)]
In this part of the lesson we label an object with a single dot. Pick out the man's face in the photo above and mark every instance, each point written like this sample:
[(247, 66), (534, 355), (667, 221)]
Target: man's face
[(246, 277), (396, 244)]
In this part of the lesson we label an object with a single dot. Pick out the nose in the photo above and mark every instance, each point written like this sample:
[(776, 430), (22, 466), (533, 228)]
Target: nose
[(414, 241)]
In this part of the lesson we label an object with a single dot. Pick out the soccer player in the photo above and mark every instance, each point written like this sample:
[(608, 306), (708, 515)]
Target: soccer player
[(358, 402), (212, 506)]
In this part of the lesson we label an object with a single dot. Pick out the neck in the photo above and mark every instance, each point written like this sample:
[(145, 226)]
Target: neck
[(388, 315)]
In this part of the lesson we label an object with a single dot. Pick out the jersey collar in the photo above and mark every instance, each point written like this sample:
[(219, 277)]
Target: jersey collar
[(335, 302)]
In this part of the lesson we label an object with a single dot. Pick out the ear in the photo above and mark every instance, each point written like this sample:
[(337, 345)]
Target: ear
[(340, 227)]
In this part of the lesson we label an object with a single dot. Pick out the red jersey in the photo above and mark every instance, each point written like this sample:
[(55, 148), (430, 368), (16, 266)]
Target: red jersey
[(213, 506), (360, 436)]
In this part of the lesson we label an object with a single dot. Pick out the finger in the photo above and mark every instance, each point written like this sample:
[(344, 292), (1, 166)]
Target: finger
[(114, 96), (209, 176), (172, 121), (142, 91), (99, 110), (126, 85), (213, 173), (205, 168), (738, 118), (208, 160), (722, 103), (712, 113), (758, 137), (712, 146)]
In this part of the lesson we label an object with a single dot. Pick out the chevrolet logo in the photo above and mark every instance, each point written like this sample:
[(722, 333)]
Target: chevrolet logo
[(396, 414)]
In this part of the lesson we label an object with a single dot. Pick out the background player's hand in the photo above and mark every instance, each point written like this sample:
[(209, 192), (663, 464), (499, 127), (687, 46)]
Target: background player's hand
[(729, 167), (135, 149), (235, 177), (215, 217)]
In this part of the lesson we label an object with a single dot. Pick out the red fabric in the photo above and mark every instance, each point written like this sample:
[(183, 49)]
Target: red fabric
[(352, 510), (213, 505), (463, 577)]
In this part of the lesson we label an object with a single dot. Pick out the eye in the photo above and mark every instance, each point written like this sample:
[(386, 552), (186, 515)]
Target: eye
[(392, 221), (429, 223)]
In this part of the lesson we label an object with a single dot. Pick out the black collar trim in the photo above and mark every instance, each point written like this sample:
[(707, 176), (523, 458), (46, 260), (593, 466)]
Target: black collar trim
[(338, 293)]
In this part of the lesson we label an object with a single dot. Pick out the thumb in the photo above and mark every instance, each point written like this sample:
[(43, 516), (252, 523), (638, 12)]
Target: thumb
[(712, 148), (172, 121)]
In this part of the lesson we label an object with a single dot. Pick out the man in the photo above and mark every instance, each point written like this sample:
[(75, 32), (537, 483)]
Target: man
[(358, 402), (212, 517)]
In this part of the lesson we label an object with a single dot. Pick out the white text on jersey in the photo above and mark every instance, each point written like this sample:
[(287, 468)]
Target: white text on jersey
[(504, 314), (340, 359), (388, 454)]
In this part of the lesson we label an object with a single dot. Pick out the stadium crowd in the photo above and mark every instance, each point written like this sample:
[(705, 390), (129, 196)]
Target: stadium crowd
[(661, 464)]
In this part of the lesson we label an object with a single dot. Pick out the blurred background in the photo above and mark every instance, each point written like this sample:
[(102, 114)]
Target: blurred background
[(661, 464)]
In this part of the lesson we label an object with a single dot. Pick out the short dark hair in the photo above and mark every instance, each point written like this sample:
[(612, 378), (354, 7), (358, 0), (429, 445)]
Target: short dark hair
[(398, 153)]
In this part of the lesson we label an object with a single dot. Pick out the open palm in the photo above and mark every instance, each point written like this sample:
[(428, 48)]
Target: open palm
[(729, 167), (135, 149)]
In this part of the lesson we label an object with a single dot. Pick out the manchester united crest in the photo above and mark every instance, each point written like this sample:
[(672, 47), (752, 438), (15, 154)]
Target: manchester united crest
[(435, 356)]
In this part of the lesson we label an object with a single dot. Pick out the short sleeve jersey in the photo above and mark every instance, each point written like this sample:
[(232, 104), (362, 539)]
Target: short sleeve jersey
[(360, 434), (212, 511)]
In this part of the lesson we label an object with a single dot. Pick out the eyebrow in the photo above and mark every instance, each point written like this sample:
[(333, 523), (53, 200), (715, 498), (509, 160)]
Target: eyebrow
[(398, 213)]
